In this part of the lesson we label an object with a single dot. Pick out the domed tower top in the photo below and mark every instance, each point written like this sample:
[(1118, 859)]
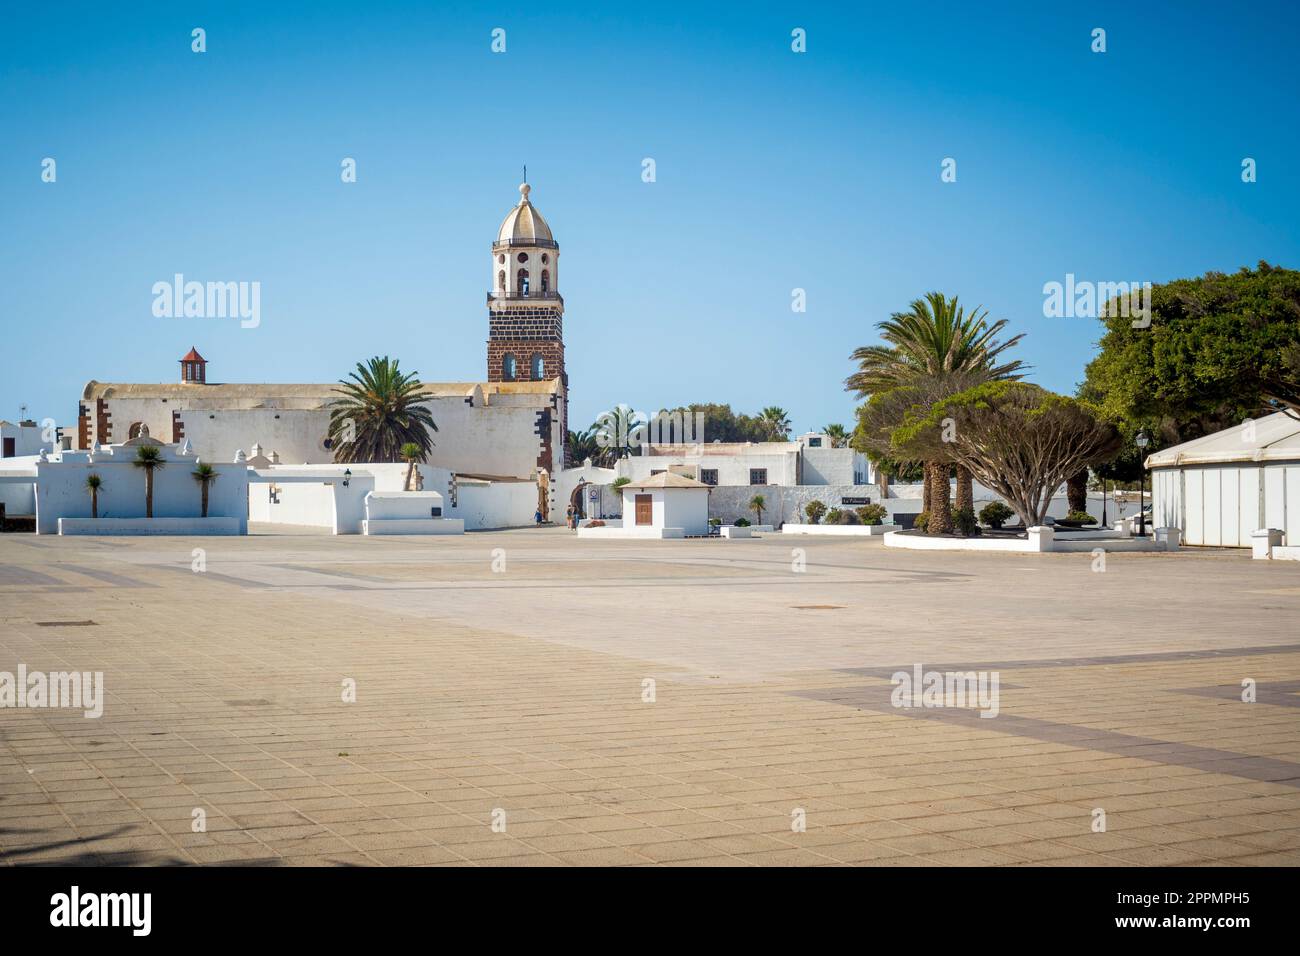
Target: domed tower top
[(524, 225)]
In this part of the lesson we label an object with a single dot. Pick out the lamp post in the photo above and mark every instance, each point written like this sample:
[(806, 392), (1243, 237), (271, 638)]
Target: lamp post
[(1142, 441)]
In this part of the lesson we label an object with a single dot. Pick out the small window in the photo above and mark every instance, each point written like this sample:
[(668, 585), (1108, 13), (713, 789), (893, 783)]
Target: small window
[(522, 257), (545, 258), (501, 280), (521, 281), (501, 259), (536, 367), (814, 443), (546, 281), (758, 476), (656, 471), (509, 367), (709, 476)]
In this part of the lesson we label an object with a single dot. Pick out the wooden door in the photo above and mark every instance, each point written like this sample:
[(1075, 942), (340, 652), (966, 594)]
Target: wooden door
[(644, 509)]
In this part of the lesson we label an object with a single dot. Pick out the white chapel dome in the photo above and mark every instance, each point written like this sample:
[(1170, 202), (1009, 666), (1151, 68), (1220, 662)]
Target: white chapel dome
[(524, 224)]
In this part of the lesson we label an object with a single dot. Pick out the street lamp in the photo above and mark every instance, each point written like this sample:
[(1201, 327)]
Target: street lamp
[(1142, 441), (347, 476)]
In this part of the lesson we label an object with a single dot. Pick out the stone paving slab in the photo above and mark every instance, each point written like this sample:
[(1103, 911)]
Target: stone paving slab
[(502, 717)]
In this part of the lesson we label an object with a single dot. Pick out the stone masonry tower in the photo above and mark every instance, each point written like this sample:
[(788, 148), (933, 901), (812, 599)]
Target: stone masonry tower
[(525, 309)]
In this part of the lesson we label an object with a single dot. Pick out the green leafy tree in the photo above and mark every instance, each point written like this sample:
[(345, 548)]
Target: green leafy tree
[(1219, 349), (205, 475), (148, 457), (378, 412), (412, 455)]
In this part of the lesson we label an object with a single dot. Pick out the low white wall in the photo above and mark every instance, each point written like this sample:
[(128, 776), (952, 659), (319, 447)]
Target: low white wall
[(863, 530), (61, 488), (784, 504), (148, 526)]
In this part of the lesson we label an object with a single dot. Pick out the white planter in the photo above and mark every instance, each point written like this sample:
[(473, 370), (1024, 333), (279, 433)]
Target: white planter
[(147, 526), (731, 531)]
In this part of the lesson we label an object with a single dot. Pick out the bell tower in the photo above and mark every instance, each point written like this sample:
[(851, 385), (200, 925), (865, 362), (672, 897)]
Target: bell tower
[(525, 308)]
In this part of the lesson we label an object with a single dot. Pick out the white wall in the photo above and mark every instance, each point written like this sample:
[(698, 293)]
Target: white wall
[(1220, 505), (496, 436), (27, 440), (782, 467), (61, 491)]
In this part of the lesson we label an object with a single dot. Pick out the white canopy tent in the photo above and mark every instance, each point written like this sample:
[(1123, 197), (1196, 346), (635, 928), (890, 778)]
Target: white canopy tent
[(1220, 488)]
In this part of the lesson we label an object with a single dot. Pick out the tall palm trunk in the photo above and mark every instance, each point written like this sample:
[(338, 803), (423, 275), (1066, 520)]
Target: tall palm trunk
[(94, 503), (965, 489), (1076, 491), (205, 499), (940, 511), (882, 479), (148, 492)]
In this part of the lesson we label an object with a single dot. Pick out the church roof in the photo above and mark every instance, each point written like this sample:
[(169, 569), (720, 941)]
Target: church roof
[(193, 356), (524, 225), (277, 395)]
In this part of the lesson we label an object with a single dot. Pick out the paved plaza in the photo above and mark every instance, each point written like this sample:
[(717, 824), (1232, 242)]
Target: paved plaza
[(526, 698)]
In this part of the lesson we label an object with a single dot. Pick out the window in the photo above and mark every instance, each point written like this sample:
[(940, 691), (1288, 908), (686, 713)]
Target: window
[(758, 476), (521, 281), (546, 281), (509, 367), (709, 476), (501, 259), (536, 367), (814, 443), (501, 280), (522, 257), (545, 258), (656, 471)]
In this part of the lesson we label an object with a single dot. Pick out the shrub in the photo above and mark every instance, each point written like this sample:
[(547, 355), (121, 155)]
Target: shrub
[(872, 514), (965, 523), (715, 522), (921, 520), (742, 523), (833, 516), (995, 514), (848, 516), (1081, 516), (814, 510)]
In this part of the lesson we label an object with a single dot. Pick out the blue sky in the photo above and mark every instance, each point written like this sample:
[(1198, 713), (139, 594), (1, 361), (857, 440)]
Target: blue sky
[(775, 171)]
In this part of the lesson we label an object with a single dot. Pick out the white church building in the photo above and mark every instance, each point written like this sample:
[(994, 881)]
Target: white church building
[(511, 424)]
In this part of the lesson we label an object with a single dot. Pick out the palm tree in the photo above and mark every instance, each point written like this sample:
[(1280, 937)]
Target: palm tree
[(205, 475), (411, 454), (579, 446), (613, 433), (378, 413), (938, 343), (148, 457), (756, 505), (838, 435), (93, 484), (775, 422)]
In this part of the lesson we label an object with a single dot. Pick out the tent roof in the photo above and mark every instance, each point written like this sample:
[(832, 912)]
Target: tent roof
[(1274, 437)]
